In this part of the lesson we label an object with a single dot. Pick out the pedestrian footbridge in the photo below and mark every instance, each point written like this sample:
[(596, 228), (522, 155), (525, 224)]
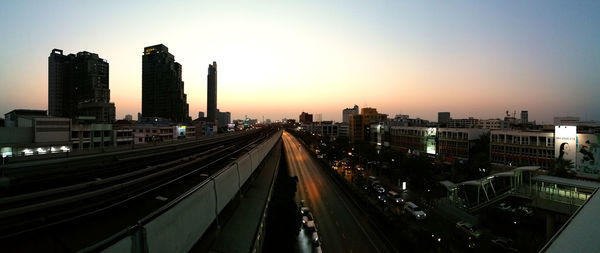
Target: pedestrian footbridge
[(547, 192)]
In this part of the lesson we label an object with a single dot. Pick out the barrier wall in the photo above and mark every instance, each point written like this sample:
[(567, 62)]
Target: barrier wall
[(185, 219)]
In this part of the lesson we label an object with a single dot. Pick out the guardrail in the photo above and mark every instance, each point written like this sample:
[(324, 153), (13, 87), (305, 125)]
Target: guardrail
[(179, 224)]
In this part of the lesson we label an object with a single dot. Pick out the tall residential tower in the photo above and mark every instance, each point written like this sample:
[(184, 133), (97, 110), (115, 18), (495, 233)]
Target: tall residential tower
[(162, 88), (78, 86)]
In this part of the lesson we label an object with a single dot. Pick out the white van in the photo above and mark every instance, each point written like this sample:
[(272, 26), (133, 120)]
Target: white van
[(415, 210)]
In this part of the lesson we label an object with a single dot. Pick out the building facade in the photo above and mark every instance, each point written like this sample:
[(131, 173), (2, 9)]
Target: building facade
[(305, 118), (493, 124), (443, 117), (211, 94), (413, 140), (359, 127), (162, 88), (463, 123), (32, 132), (347, 112), (223, 118), (78, 86), (522, 148), (454, 144)]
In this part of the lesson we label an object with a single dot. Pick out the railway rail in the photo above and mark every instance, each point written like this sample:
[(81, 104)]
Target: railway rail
[(134, 192)]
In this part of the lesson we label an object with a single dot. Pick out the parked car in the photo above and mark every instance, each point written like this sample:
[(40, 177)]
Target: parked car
[(415, 210), (468, 228), (505, 243), (525, 210), (505, 207), (379, 189), (394, 197), (306, 217), (310, 226), (315, 239)]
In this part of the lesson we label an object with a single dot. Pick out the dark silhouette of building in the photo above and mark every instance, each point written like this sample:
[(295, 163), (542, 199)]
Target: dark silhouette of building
[(211, 107), (162, 88), (223, 118), (78, 86), (443, 118), (306, 117)]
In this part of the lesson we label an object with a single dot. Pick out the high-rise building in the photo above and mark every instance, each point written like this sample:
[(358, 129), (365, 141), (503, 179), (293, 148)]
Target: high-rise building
[(443, 117), (211, 99), (347, 112), (162, 88), (200, 115), (524, 117), (128, 117), (306, 117), (78, 86), (359, 123)]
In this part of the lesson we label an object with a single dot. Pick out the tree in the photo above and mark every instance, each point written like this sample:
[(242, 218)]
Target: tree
[(562, 168)]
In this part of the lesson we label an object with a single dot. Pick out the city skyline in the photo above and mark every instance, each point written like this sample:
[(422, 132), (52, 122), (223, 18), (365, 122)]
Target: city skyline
[(279, 59)]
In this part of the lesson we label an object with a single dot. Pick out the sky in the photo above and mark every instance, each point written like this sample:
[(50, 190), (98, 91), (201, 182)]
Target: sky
[(279, 58)]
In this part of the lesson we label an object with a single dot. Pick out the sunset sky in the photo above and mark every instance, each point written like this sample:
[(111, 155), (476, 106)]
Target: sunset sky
[(278, 58)]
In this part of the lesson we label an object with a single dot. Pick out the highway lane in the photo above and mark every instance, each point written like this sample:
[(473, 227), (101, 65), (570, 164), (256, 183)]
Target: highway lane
[(341, 227)]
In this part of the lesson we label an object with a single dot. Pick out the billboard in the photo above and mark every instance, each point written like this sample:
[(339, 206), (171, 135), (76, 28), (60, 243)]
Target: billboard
[(588, 155), (565, 141), (430, 140)]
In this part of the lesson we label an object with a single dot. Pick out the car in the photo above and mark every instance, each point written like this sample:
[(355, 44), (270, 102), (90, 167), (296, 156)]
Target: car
[(306, 217), (379, 189), (505, 243), (505, 207), (415, 210), (394, 197), (315, 239), (525, 210), (468, 228), (310, 226), (304, 209)]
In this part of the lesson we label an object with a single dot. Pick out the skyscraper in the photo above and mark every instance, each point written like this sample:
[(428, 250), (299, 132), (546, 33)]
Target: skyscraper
[(211, 107), (78, 86), (162, 88), (347, 112)]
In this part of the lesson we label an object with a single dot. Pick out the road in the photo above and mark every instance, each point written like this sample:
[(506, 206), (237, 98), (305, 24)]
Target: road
[(341, 227)]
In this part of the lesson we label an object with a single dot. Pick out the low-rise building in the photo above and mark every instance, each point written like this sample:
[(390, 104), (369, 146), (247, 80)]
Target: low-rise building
[(493, 124), (86, 135), (32, 132), (463, 123), (123, 133), (454, 144), (522, 148), (414, 140)]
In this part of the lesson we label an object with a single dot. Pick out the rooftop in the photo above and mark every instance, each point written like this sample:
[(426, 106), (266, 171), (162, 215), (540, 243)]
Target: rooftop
[(580, 232)]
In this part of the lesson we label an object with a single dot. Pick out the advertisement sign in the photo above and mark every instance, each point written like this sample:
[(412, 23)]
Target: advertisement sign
[(430, 140), (179, 132), (565, 142), (588, 155)]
